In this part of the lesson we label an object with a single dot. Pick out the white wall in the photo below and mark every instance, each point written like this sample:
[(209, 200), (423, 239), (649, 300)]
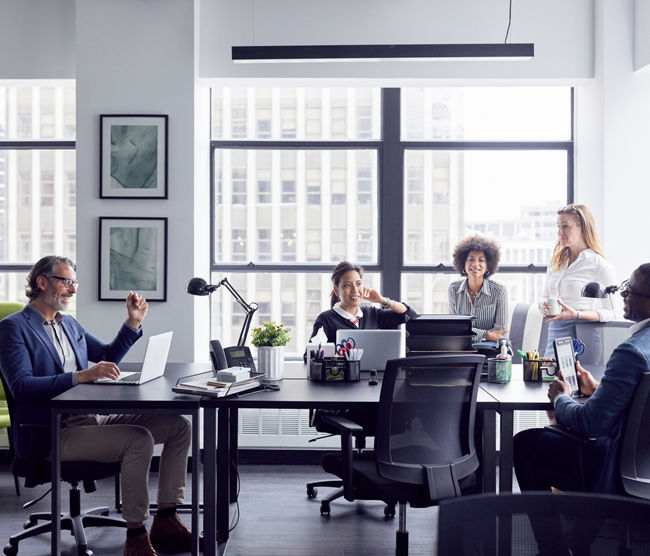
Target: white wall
[(562, 32), (137, 57), (37, 39)]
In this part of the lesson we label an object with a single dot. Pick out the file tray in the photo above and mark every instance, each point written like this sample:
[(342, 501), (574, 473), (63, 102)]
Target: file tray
[(197, 385), (440, 325)]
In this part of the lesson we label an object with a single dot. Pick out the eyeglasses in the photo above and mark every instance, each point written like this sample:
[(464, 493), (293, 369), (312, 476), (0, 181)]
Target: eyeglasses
[(625, 290), (66, 281)]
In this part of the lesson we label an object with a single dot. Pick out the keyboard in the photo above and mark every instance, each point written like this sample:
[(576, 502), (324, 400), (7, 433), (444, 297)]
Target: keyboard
[(135, 377)]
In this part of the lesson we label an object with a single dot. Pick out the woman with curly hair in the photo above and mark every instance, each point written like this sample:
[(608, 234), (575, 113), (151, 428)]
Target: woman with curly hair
[(476, 258)]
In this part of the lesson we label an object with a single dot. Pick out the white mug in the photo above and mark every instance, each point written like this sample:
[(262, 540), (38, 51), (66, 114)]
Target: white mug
[(554, 308)]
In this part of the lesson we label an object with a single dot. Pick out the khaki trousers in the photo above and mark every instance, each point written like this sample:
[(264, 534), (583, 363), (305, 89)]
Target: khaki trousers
[(130, 440)]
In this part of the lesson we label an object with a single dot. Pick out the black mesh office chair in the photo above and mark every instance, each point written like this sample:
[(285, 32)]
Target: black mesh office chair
[(36, 470), (494, 524), (424, 443)]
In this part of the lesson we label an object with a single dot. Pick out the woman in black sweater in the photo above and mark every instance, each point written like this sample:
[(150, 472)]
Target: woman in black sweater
[(347, 294)]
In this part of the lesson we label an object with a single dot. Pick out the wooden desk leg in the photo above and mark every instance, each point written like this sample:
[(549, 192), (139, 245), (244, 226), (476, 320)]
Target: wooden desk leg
[(56, 483), (234, 452), (196, 427), (505, 461), (223, 474), (489, 451), (209, 486)]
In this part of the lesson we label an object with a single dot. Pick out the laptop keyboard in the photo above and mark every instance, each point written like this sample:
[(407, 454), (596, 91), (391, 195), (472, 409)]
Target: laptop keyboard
[(135, 377)]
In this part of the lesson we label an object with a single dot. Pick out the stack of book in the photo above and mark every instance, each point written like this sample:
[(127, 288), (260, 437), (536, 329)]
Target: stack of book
[(211, 386)]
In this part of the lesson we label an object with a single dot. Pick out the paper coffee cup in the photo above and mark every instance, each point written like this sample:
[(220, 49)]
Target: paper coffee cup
[(554, 308)]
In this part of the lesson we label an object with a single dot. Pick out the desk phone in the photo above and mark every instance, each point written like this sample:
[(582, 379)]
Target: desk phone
[(233, 356)]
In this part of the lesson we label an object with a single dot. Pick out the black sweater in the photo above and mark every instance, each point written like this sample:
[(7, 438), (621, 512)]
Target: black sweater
[(373, 319)]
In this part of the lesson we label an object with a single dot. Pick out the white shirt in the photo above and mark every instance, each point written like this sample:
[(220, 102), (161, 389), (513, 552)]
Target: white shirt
[(338, 310), (567, 283)]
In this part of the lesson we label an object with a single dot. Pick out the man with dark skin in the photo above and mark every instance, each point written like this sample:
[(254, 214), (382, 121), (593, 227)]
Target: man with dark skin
[(541, 457)]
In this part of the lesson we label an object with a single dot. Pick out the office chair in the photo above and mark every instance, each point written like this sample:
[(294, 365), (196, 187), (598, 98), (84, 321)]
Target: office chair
[(36, 470), (6, 309), (492, 524), (424, 443)]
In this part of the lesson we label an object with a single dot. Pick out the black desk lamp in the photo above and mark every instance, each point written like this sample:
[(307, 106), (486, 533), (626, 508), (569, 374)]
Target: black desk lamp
[(198, 286), (595, 290)]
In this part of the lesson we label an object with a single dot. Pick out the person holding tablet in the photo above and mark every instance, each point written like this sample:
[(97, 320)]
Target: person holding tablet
[(476, 258), (577, 260), (540, 456), (348, 293)]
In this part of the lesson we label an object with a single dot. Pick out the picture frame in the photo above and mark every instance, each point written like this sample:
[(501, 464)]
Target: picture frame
[(132, 257), (133, 156)]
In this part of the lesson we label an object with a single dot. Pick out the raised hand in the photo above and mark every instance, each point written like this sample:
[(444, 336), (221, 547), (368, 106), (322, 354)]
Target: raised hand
[(136, 307)]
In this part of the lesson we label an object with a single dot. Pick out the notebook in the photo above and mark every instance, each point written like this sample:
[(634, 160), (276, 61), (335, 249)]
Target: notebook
[(153, 365), (378, 346)]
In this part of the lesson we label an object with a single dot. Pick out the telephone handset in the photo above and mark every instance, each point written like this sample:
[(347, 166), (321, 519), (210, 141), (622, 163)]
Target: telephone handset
[(233, 356)]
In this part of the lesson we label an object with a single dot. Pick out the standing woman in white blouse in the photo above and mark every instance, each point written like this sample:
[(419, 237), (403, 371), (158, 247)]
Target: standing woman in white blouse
[(577, 260)]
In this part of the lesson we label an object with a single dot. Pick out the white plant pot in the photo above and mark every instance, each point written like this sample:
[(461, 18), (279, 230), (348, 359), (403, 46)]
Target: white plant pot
[(270, 360)]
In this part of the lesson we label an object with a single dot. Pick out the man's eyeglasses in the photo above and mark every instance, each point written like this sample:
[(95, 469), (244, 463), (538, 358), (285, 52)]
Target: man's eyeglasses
[(624, 289), (66, 281)]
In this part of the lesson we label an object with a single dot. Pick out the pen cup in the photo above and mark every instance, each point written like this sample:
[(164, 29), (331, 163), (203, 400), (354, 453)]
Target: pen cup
[(532, 370), (315, 370), (353, 370)]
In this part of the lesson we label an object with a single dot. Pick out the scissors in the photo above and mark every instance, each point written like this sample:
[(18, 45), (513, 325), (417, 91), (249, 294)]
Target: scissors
[(345, 346)]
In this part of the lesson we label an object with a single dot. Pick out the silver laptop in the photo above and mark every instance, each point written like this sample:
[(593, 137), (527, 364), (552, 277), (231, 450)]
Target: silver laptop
[(153, 365), (378, 346)]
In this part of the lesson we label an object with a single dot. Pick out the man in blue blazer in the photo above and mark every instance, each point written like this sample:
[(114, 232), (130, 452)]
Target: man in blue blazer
[(543, 459), (44, 353)]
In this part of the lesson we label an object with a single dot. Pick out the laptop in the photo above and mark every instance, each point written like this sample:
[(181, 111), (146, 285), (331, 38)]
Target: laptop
[(153, 365), (378, 346)]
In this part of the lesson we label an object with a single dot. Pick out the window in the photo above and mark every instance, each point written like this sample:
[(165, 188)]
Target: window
[(38, 183), (473, 160)]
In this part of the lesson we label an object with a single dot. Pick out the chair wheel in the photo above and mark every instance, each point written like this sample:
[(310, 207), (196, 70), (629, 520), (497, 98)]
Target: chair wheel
[(324, 508), (10, 550), (389, 510), (311, 491), (85, 552)]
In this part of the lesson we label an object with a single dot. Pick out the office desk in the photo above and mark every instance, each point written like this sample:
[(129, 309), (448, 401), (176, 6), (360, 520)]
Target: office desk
[(293, 394), (153, 397)]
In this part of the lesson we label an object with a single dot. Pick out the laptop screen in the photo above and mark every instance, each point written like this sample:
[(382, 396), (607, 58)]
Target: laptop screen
[(378, 346)]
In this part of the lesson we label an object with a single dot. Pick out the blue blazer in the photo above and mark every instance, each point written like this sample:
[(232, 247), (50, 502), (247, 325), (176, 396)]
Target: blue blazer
[(603, 415), (32, 368)]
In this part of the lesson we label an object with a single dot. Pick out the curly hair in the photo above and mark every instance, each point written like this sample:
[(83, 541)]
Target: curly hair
[(338, 272), (44, 267), (477, 243)]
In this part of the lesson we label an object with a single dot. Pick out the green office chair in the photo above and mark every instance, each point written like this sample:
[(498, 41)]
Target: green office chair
[(7, 308)]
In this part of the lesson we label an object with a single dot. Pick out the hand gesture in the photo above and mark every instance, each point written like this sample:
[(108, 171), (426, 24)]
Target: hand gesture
[(136, 308), (372, 295), (103, 369), (588, 383), (567, 313), (558, 387), (494, 335)]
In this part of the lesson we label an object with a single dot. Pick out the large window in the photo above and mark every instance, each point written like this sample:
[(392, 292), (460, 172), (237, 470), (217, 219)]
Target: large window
[(391, 179), (37, 180)]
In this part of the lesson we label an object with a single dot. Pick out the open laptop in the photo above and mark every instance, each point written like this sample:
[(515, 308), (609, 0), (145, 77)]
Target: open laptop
[(153, 365), (378, 346)]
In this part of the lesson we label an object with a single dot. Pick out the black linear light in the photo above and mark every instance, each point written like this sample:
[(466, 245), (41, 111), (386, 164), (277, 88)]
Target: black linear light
[(382, 52)]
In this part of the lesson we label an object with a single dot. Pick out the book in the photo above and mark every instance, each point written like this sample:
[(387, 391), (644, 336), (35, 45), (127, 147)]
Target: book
[(204, 386)]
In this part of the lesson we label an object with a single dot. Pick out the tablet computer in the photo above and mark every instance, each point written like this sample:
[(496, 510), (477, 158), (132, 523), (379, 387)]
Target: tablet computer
[(566, 362)]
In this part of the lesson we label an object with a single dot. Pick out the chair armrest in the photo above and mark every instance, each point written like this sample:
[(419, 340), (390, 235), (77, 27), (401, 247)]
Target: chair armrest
[(343, 424), (568, 433), (347, 429)]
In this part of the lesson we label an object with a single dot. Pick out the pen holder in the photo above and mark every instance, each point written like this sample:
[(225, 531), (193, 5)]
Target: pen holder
[(532, 370), (499, 370), (328, 369), (353, 371)]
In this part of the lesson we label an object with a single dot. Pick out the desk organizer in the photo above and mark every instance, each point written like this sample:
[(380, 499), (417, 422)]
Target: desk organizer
[(334, 369), (431, 334)]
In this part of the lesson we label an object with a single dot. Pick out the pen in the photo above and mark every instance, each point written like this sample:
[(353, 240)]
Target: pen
[(523, 355)]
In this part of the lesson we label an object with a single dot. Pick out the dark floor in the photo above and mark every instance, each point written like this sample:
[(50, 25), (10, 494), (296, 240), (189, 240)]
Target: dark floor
[(276, 518)]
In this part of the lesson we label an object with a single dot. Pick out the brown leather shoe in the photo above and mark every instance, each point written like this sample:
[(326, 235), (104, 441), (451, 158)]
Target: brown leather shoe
[(139, 545), (171, 536)]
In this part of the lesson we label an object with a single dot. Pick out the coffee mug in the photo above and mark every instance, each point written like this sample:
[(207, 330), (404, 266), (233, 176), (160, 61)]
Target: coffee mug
[(554, 308)]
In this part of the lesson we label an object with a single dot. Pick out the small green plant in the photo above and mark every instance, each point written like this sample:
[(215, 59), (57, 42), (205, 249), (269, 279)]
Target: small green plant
[(271, 334)]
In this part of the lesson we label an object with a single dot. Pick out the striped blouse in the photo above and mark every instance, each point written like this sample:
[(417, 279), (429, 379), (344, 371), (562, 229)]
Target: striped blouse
[(490, 309)]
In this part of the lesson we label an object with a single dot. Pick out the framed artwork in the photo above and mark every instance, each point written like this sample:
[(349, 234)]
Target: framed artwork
[(132, 257), (133, 157)]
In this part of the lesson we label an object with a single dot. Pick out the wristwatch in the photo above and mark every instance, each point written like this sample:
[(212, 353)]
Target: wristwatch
[(386, 304)]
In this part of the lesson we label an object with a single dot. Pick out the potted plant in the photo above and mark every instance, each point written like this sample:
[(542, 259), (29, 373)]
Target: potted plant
[(270, 339)]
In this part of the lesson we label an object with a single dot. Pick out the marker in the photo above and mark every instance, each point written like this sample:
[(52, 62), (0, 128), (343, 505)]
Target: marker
[(523, 355)]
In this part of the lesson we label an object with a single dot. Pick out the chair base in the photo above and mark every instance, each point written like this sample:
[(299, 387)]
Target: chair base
[(95, 517)]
